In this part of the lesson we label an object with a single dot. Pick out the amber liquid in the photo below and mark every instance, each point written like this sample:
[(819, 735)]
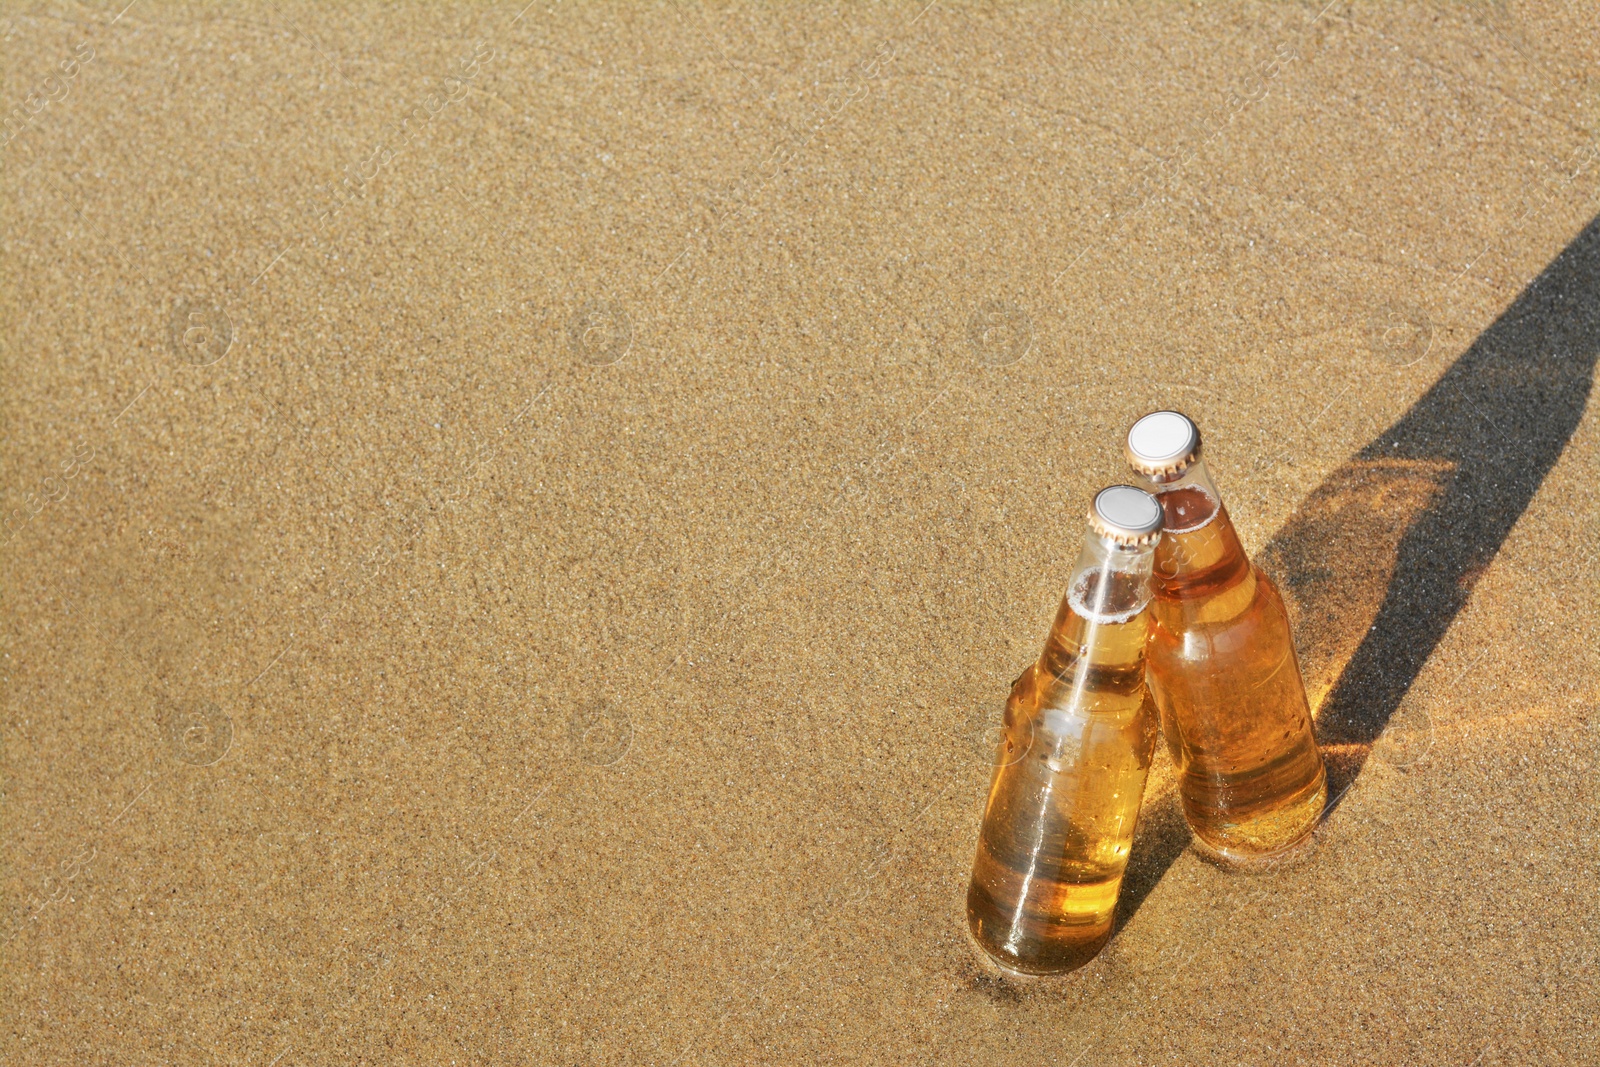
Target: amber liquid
[(1080, 730), (1224, 675)]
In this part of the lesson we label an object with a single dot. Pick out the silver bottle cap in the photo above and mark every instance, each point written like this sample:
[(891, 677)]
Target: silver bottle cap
[(1126, 516), (1163, 444)]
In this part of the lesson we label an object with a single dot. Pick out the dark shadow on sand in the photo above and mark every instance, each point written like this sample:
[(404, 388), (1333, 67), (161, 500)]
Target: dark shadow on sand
[(1378, 559)]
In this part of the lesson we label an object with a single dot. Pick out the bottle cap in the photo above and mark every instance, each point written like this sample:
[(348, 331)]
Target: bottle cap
[(1126, 516), (1163, 444)]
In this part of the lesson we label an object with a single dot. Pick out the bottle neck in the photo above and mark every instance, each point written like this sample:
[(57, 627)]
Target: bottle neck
[(1199, 546), (1188, 501), (1110, 582), (1103, 617)]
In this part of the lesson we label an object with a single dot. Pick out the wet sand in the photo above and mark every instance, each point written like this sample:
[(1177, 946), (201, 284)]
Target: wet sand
[(520, 524)]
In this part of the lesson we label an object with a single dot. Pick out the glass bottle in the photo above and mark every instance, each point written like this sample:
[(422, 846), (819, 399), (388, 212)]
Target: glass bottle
[(1222, 666), (1079, 733)]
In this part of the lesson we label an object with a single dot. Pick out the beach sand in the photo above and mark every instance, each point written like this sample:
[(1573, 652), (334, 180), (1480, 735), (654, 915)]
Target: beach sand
[(521, 524)]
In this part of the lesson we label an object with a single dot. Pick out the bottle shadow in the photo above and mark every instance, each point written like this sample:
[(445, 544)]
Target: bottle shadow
[(1377, 561)]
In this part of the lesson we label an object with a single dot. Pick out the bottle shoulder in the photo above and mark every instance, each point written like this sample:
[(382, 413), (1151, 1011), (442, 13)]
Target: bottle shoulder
[(1269, 587), (1250, 602)]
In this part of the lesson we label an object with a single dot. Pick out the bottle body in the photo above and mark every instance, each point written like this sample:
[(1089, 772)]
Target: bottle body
[(1224, 675), (1080, 729)]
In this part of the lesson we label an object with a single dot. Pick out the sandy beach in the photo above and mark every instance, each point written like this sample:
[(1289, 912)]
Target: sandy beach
[(520, 521)]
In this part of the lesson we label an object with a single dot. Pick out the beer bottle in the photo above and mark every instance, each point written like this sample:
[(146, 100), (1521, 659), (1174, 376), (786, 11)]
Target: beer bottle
[(1222, 666), (1069, 773)]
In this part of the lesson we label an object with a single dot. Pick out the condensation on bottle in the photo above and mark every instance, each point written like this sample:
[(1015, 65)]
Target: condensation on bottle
[(1079, 733), (1222, 666)]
